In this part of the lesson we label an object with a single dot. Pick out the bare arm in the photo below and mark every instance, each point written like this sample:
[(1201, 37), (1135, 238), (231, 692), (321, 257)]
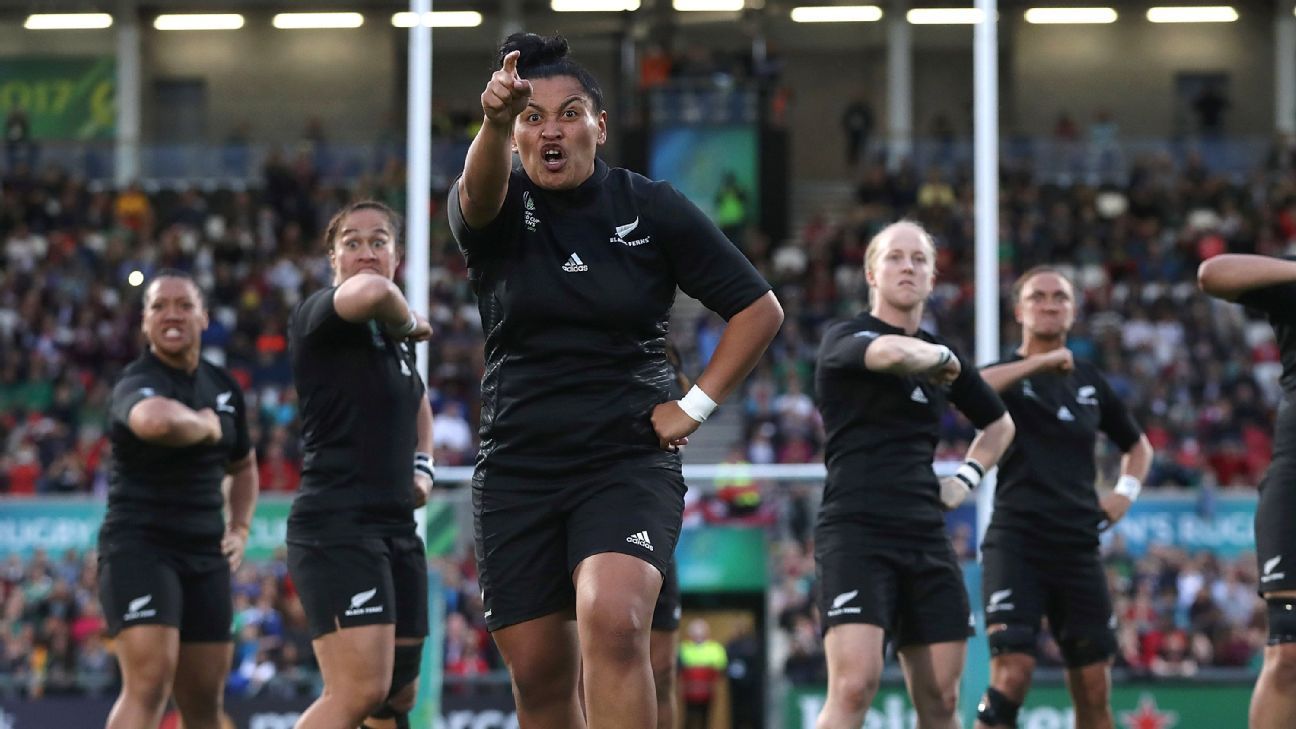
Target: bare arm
[(1001, 377), (985, 451), (1134, 465), (166, 422), (1230, 275), (744, 340), (240, 499), (900, 355), (1138, 459), (367, 296), (989, 445), (486, 168), (423, 433)]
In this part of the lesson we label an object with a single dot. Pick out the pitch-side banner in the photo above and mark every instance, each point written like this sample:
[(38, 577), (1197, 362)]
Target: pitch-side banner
[(57, 525), (65, 98), (493, 711), (1163, 705)]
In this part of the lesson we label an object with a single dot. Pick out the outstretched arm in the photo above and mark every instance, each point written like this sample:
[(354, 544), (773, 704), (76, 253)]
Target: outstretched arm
[(166, 422), (367, 296), (486, 169), (900, 355), (1230, 275), (1000, 377)]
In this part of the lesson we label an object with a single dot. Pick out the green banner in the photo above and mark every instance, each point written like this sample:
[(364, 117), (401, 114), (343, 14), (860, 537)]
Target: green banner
[(722, 559), (65, 98), (1163, 705), (59, 525)]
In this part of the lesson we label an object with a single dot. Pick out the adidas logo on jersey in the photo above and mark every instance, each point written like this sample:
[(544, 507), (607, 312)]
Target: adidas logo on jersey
[(574, 264), (1065, 415), (641, 539), (918, 396)]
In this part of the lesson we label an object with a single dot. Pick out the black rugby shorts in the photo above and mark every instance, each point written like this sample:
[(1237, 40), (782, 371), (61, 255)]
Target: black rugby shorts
[(362, 581), (666, 613), (1021, 583), (532, 532), (1275, 535), (144, 584), (916, 595)]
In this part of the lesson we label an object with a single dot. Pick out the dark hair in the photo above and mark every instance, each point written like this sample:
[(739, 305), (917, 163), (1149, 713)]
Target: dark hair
[(1020, 284), (183, 276), (335, 223), (545, 57)]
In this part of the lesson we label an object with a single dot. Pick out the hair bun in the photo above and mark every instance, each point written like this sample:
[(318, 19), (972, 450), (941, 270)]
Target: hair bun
[(535, 50)]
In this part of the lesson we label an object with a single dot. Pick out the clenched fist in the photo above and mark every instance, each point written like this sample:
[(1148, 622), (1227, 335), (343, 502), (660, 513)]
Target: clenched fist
[(507, 93)]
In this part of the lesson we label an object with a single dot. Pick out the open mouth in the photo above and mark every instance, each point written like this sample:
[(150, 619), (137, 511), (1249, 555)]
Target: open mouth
[(553, 156), (172, 334)]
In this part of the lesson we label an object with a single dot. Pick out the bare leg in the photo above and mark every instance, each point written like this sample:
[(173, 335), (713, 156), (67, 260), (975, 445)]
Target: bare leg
[(932, 673), (615, 594), (854, 652), (356, 665), (148, 655)]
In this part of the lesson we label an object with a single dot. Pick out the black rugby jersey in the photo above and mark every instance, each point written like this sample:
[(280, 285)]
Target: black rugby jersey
[(173, 493), (575, 290), (882, 434), (359, 393), (1278, 303), (1045, 487)]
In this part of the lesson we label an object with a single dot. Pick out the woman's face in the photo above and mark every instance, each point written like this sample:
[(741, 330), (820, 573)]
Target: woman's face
[(365, 242), (558, 133), (1047, 306), (174, 317), (904, 270)]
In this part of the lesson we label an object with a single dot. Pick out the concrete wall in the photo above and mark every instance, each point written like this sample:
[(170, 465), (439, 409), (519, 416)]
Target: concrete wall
[(1129, 67), (353, 80)]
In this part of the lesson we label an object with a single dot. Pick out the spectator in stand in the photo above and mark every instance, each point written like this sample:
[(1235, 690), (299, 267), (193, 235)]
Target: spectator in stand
[(703, 662)]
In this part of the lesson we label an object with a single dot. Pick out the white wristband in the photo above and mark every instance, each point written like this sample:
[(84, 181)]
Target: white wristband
[(946, 354), (423, 463), (697, 404), (970, 473), (1128, 486)]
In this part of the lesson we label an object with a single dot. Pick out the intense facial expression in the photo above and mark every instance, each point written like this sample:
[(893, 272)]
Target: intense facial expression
[(1046, 307), (904, 269), (174, 318), (558, 133), (365, 242)]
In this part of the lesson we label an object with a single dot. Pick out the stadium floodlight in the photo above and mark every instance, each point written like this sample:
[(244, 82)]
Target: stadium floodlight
[(439, 19), (199, 21), (704, 6), (837, 14), (315, 21), (944, 16), (67, 21), (593, 6), (1072, 16), (1194, 14)]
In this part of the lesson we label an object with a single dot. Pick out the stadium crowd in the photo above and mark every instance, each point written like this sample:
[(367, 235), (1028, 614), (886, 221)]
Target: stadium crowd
[(1200, 376)]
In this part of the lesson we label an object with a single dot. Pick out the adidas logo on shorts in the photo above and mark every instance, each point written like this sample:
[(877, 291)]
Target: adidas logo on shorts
[(641, 539)]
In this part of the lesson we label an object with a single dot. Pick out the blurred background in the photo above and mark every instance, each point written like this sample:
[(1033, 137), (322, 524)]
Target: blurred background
[(1131, 149)]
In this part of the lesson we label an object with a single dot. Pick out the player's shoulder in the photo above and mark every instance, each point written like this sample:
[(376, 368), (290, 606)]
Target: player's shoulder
[(861, 326), (217, 373)]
